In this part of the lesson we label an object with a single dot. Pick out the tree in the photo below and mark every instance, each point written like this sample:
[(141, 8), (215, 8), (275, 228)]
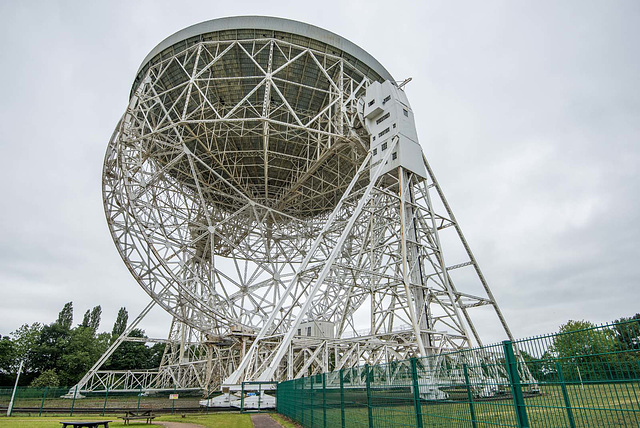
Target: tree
[(94, 318), (584, 350), (51, 347), (538, 367), (25, 340), (7, 355), (131, 354), (7, 360), (65, 317), (46, 378), (121, 324), (82, 350), (627, 333), (68, 353), (91, 319), (85, 319), (156, 353)]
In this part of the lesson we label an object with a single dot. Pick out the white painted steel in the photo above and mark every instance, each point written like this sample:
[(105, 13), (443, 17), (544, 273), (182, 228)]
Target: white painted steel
[(243, 194)]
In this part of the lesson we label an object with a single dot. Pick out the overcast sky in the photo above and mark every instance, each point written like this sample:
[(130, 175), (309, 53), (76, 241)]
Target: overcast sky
[(529, 113)]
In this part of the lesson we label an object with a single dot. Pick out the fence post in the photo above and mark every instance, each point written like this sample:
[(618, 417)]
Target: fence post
[(324, 400), (311, 403), (342, 396), (470, 395), (368, 383), (173, 402), (73, 403), (104, 406), (242, 398), (303, 405), (295, 405), (208, 395), (416, 391), (565, 395), (516, 389), (139, 396), (44, 394)]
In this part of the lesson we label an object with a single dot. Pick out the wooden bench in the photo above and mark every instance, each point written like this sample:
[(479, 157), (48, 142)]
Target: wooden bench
[(86, 424), (129, 416)]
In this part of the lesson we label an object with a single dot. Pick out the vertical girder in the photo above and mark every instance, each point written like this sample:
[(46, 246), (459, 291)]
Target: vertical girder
[(247, 194)]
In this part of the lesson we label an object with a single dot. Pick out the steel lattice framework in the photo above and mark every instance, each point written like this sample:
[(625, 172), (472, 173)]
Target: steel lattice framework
[(240, 191)]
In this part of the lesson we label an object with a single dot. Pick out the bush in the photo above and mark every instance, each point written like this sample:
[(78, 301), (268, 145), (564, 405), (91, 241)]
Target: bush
[(47, 378)]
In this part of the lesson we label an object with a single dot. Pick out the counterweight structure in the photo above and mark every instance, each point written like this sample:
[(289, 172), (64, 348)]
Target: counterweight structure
[(266, 187)]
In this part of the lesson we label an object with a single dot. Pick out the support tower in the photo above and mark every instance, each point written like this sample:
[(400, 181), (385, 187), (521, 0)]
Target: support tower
[(266, 187)]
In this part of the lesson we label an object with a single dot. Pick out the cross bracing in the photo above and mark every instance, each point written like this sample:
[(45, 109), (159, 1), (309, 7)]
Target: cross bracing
[(240, 192)]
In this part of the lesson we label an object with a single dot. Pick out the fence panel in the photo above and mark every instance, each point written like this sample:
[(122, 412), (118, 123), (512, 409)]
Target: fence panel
[(582, 378), (38, 401), (392, 397), (587, 377)]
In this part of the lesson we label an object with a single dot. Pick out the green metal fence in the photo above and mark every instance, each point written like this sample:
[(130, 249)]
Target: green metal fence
[(39, 401), (583, 378)]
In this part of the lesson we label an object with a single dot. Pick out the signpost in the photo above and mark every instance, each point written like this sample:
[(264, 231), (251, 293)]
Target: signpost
[(173, 397)]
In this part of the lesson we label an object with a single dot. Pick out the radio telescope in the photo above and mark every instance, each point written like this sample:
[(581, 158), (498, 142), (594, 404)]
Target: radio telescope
[(265, 186)]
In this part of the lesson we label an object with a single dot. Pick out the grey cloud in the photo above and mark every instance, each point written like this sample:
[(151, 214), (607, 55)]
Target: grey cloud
[(527, 112)]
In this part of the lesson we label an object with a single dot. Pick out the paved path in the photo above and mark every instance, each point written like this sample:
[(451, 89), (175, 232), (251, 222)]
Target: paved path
[(264, 421)]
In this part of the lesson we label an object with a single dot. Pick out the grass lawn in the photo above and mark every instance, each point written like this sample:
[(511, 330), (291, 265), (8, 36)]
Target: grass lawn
[(51, 421), (230, 420), (285, 422), (589, 406)]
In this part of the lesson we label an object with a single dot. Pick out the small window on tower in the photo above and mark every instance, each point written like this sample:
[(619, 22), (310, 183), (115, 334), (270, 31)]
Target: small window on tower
[(308, 331), (299, 332), (406, 112), (384, 146), (383, 118), (394, 155), (394, 125), (375, 151)]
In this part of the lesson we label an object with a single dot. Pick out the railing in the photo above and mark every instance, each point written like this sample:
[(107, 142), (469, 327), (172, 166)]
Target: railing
[(64, 400), (583, 378)]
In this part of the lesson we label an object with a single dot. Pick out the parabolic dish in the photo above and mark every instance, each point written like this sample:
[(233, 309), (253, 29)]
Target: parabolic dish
[(241, 136)]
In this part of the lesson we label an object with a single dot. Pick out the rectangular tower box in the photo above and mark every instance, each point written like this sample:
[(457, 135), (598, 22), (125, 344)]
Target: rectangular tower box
[(387, 114)]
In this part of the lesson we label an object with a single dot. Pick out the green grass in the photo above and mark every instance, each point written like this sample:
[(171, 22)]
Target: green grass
[(593, 405), (230, 420), (596, 405), (50, 421), (284, 421)]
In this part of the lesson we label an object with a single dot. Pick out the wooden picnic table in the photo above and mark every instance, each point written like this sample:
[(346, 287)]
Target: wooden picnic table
[(87, 424), (130, 415)]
